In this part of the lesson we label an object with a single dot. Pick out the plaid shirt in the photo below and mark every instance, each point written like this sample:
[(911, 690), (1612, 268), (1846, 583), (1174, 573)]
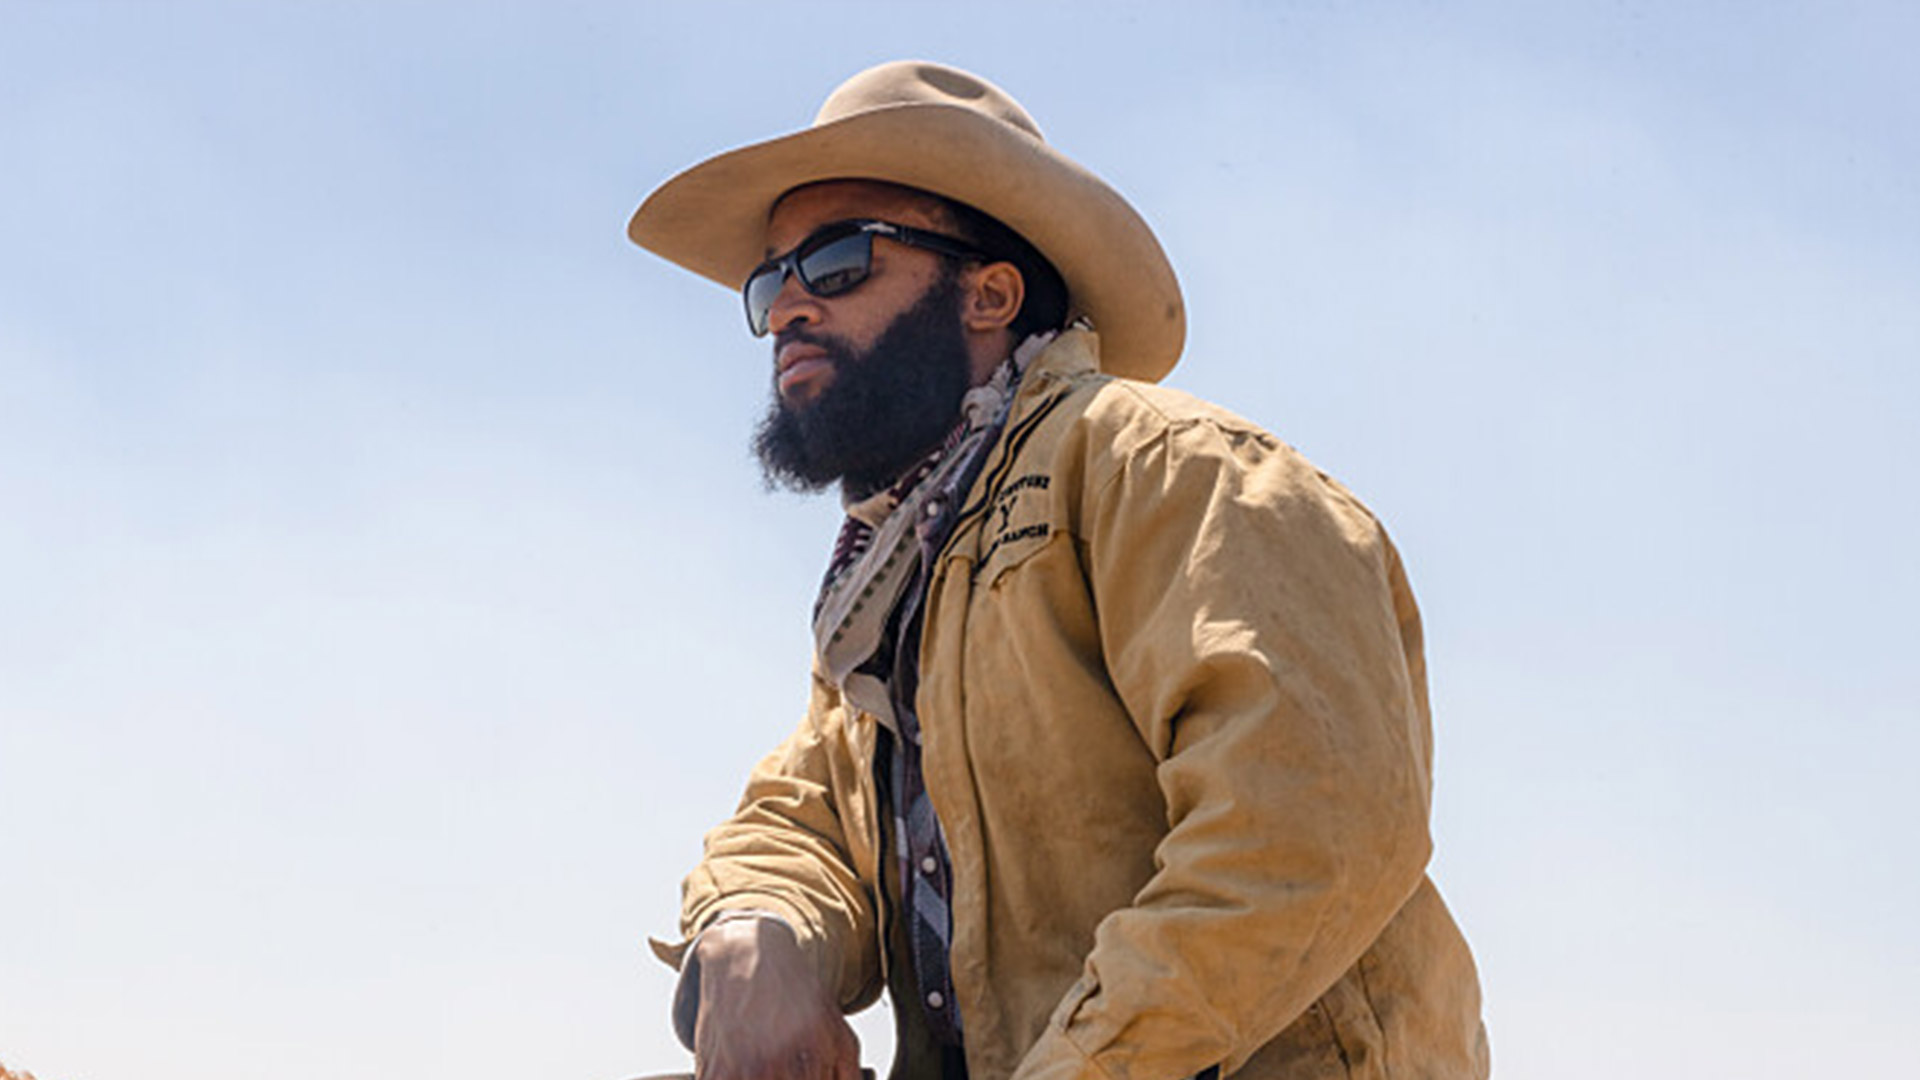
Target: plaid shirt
[(926, 876)]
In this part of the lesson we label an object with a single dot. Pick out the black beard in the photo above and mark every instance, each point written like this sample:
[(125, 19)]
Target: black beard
[(882, 410)]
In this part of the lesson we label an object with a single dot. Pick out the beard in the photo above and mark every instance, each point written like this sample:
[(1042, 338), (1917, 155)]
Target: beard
[(883, 409)]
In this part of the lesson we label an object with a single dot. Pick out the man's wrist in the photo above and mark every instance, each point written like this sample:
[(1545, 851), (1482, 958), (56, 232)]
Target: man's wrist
[(686, 995)]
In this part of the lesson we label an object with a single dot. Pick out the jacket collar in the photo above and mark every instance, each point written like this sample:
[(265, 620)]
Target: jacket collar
[(1075, 352)]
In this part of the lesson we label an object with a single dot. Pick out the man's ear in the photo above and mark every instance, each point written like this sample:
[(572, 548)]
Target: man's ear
[(993, 297)]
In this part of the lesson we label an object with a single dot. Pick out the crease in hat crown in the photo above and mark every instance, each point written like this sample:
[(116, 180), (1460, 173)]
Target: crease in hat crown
[(939, 129), (915, 82)]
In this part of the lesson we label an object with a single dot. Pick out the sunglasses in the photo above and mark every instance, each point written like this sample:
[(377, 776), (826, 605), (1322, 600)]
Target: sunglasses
[(835, 259)]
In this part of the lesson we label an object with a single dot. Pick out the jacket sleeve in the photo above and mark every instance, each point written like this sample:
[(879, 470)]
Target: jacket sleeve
[(799, 847), (1256, 624)]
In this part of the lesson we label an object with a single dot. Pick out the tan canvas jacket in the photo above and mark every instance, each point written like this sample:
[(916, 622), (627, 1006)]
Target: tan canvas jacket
[(1176, 731)]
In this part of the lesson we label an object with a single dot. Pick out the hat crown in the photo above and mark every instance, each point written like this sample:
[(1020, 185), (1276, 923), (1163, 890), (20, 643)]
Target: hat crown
[(921, 82)]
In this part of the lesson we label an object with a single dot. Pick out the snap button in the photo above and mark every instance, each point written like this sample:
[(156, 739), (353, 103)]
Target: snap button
[(936, 999)]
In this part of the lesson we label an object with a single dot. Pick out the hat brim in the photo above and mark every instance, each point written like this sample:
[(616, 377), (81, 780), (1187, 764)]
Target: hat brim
[(712, 218)]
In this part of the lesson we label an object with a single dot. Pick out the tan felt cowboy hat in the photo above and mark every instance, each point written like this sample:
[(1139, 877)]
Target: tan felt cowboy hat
[(942, 130)]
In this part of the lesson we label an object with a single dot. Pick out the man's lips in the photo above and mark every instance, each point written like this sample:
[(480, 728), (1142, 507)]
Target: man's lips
[(798, 364)]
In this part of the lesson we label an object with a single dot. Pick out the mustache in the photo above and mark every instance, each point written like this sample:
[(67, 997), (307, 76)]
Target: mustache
[(800, 335)]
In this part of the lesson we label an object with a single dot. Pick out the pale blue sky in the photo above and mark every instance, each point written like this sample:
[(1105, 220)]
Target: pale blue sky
[(388, 601)]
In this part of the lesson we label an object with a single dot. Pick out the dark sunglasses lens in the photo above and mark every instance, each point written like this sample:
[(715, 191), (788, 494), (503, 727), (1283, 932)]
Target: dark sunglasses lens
[(760, 292), (828, 268), (837, 265)]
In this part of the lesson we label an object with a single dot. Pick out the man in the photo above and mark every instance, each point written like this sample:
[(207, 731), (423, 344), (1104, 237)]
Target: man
[(1117, 757)]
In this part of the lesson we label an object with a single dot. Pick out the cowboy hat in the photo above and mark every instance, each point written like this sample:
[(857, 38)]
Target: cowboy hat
[(954, 134)]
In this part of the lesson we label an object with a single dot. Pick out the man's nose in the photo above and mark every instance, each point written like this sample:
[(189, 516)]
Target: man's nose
[(793, 303)]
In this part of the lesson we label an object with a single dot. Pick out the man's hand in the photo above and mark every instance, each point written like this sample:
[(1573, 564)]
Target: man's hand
[(764, 1014)]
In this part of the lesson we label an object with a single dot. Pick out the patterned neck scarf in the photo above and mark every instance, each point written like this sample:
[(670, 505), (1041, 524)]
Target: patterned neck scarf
[(877, 553)]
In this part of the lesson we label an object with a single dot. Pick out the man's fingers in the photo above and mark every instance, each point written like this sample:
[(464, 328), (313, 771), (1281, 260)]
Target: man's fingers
[(825, 1055)]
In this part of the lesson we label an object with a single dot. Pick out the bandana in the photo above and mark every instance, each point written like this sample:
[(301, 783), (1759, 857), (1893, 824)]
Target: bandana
[(877, 553)]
